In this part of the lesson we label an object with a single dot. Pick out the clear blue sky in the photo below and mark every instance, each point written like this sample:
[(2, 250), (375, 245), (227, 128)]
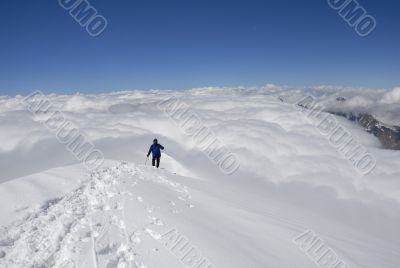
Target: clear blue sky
[(172, 44)]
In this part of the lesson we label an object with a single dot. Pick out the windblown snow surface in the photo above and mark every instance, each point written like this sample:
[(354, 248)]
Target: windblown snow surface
[(56, 213)]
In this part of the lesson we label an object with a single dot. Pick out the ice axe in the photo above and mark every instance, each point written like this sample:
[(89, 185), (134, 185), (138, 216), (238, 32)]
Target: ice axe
[(145, 163)]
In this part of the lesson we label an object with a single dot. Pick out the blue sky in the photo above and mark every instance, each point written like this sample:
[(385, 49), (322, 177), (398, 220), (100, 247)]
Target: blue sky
[(171, 44)]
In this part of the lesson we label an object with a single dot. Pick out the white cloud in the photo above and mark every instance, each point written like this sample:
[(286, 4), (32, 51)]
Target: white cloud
[(285, 162), (392, 97), (253, 122)]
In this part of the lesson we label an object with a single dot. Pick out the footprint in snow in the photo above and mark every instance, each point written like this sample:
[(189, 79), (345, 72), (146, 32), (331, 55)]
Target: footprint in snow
[(155, 221), (150, 209), (119, 206), (176, 211), (135, 238), (155, 235)]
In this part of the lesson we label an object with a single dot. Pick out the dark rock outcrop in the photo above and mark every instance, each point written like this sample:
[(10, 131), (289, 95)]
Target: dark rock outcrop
[(389, 136)]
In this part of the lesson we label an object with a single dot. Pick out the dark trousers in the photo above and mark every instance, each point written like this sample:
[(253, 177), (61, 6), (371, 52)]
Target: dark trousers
[(156, 161)]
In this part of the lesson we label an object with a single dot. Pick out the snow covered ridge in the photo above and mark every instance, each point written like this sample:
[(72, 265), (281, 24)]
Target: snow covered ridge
[(89, 227), (57, 213)]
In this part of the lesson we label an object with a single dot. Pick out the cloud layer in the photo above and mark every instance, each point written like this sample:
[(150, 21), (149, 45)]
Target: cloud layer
[(283, 156)]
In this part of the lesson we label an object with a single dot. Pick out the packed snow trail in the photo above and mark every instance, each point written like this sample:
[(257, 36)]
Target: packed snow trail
[(87, 228), (76, 224)]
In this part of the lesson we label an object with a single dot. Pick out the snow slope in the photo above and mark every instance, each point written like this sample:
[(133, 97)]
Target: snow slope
[(55, 213)]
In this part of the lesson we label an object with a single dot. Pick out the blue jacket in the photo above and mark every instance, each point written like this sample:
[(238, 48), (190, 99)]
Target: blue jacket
[(155, 150)]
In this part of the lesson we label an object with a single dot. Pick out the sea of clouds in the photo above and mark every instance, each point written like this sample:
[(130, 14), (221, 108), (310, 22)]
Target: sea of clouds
[(280, 151), (272, 138)]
